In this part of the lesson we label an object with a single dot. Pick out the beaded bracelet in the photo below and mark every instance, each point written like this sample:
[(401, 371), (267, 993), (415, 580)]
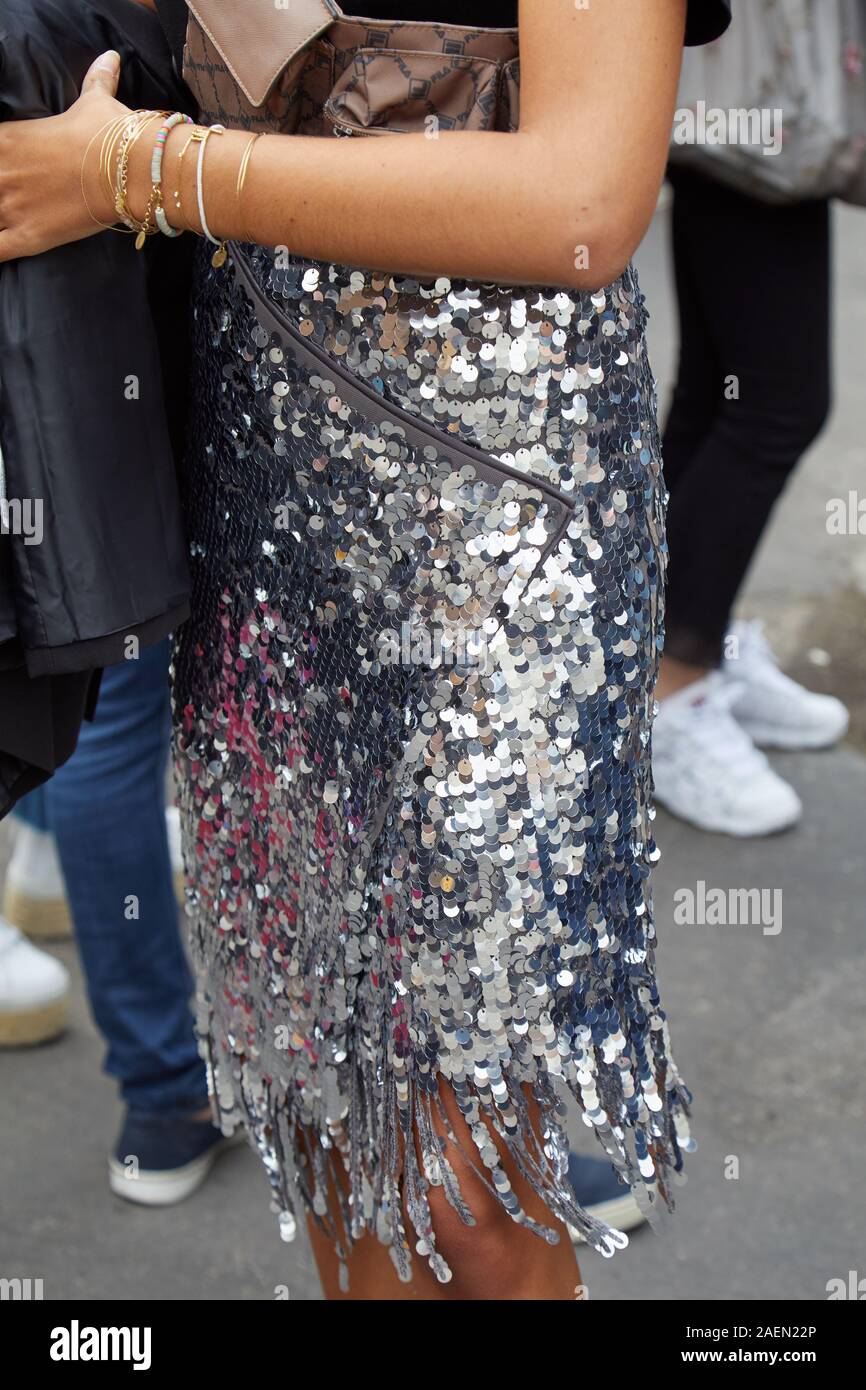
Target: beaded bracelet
[(175, 119)]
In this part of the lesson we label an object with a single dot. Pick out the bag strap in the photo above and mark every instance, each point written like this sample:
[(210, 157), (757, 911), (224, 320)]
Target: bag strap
[(256, 39), (173, 16)]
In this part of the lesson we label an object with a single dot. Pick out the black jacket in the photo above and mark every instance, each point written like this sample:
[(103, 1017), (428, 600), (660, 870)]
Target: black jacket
[(93, 390)]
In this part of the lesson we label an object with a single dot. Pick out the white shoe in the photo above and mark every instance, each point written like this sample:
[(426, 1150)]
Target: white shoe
[(34, 991), (172, 825), (622, 1213), (34, 896), (707, 770), (774, 710)]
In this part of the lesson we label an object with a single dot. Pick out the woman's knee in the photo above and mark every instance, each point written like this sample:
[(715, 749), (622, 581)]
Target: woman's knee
[(810, 414), (498, 1257), (776, 433), (488, 1256)]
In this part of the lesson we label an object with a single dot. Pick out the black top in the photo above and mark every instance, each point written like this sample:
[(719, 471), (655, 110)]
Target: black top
[(705, 19)]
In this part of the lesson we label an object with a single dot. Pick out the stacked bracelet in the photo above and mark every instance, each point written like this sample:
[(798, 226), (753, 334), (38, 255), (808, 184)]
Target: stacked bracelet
[(176, 118), (136, 126), (119, 137)]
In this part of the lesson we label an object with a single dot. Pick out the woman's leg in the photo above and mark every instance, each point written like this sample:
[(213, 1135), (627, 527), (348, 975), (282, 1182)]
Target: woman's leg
[(695, 401), (494, 1259), (33, 810), (754, 286)]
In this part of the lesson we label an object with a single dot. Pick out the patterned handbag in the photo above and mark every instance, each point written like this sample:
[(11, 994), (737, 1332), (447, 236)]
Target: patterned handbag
[(304, 67)]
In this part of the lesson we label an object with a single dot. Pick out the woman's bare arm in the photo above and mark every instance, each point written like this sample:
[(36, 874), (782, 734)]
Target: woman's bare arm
[(598, 87)]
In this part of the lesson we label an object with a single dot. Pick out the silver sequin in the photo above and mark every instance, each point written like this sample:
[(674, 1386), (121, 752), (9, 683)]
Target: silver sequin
[(412, 726)]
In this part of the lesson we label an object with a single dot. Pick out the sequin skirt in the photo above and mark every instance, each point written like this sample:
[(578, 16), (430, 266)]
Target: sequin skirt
[(412, 722)]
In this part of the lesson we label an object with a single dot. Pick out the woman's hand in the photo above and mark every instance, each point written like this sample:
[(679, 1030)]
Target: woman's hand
[(41, 200)]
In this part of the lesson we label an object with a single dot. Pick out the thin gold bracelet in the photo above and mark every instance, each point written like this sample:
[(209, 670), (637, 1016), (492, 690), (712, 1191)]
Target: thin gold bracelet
[(242, 173), (106, 226), (186, 146), (117, 181), (110, 140), (113, 139)]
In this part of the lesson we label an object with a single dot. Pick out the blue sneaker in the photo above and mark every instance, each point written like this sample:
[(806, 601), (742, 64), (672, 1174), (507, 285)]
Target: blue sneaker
[(600, 1192), (160, 1159)]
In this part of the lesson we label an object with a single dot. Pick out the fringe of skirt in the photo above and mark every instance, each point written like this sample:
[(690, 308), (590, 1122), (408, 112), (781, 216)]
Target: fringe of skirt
[(364, 1133)]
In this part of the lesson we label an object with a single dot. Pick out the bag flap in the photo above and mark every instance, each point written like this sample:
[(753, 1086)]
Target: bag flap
[(257, 38)]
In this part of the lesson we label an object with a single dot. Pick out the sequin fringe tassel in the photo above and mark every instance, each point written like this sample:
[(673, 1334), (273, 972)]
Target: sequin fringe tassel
[(370, 1149)]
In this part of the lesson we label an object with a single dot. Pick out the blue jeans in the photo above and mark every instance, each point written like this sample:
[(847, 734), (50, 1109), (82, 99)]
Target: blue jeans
[(106, 809)]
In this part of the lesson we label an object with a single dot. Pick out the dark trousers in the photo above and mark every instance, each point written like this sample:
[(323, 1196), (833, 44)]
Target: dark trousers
[(752, 392)]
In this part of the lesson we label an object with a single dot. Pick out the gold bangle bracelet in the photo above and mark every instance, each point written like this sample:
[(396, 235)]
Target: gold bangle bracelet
[(124, 136), (242, 173), (112, 139), (106, 226), (179, 170)]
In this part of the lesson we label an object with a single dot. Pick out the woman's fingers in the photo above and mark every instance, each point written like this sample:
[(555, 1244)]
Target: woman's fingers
[(103, 74)]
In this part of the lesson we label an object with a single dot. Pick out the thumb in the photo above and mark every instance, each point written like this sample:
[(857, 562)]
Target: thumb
[(103, 74)]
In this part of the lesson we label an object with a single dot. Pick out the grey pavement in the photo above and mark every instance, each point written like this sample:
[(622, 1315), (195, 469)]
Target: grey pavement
[(767, 1028)]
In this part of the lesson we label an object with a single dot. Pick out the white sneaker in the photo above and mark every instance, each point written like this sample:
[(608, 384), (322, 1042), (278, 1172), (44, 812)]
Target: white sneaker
[(34, 897), (707, 770), (172, 825), (34, 991), (774, 710)]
